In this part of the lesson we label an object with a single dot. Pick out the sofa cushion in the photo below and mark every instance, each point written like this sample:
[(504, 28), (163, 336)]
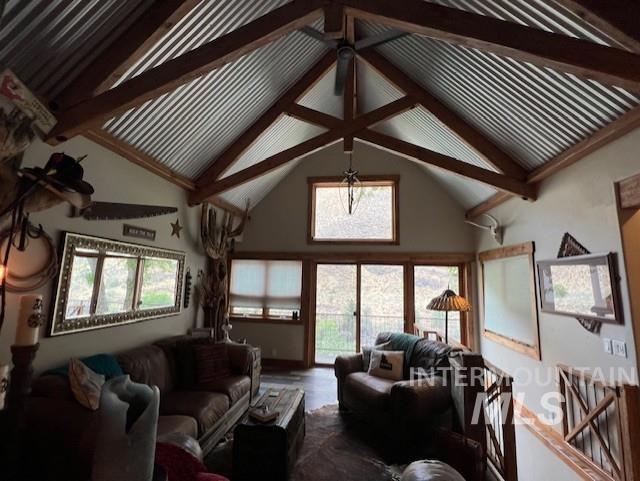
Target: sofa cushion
[(430, 355), (212, 365), (168, 425), (104, 364), (205, 407), (366, 392), (52, 386), (233, 386), (147, 365)]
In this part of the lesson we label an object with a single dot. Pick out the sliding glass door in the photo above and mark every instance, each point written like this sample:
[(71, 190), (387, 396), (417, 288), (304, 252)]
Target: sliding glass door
[(355, 302)]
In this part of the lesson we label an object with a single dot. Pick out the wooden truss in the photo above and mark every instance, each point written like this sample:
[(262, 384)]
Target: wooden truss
[(91, 99)]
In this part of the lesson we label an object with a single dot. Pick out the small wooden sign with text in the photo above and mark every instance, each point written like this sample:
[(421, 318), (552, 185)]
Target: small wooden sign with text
[(139, 232)]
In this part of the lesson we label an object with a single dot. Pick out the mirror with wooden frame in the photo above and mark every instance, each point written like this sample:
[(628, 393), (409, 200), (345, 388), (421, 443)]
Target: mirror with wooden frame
[(510, 315), (104, 283)]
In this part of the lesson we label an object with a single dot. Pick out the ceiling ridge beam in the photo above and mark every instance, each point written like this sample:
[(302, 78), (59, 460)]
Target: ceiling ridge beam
[(106, 69), (314, 117), (187, 67), (619, 19), (314, 144), (613, 131), (349, 110), (450, 164), (608, 65), (221, 164), (151, 164), (471, 136)]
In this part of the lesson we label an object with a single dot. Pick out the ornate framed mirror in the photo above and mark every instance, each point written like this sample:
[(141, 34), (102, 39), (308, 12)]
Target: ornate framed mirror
[(104, 283)]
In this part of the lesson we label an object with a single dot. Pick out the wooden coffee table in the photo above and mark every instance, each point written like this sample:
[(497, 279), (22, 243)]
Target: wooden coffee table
[(267, 451)]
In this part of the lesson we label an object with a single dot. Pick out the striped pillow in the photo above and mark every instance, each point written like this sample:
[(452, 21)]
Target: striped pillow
[(212, 364)]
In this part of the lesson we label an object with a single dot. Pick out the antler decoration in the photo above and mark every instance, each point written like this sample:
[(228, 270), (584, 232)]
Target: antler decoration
[(217, 240)]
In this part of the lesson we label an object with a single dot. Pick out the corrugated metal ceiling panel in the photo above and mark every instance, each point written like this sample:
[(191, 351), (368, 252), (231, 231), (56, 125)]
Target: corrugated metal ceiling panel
[(530, 112), (48, 43), (322, 98), (190, 127)]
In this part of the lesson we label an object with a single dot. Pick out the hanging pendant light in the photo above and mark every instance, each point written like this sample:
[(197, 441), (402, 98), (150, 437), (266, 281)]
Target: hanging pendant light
[(350, 188)]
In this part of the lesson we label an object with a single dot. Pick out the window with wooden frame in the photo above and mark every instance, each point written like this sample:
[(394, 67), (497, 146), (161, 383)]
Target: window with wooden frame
[(269, 289), (374, 221)]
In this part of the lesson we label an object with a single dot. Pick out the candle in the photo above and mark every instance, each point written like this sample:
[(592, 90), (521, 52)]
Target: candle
[(30, 319), (4, 384)]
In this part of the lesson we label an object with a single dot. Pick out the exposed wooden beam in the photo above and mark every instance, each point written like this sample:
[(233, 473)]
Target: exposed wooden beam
[(314, 117), (464, 169), (103, 72), (619, 19), (312, 145), (349, 111), (610, 66), (185, 68), (151, 164), (334, 21), (616, 129), (466, 132), (220, 165)]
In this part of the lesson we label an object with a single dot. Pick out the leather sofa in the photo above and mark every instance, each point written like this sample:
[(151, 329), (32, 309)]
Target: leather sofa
[(405, 411), (61, 429)]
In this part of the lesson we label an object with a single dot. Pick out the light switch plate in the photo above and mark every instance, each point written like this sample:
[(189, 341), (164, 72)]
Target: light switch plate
[(619, 348), (608, 346)]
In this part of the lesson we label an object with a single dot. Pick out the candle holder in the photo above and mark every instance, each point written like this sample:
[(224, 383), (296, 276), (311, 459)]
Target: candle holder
[(14, 416)]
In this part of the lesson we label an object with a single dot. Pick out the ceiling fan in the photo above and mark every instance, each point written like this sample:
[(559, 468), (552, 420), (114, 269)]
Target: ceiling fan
[(347, 51)]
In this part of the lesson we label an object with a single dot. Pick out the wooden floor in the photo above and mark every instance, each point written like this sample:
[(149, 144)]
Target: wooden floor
[(319, 384)]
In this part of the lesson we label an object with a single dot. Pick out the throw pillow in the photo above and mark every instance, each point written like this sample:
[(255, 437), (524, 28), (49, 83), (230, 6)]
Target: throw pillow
[(212, 365), (387, 364), (366, 353), (86, 385)]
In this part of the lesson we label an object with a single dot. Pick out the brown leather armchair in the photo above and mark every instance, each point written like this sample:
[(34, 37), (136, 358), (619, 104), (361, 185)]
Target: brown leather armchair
[(405, 410)]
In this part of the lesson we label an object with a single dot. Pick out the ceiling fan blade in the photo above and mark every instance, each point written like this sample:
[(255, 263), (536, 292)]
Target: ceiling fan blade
[(319, 36), (345, 55), (376, 40)]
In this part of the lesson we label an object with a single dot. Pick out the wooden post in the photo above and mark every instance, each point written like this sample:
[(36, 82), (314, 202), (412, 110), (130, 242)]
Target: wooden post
[(629, 419)]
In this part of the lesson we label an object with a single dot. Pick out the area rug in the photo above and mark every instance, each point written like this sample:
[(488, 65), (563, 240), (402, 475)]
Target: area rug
[(335, 448)]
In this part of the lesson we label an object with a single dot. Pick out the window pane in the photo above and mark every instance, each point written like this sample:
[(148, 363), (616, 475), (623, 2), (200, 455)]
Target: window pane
[(83, 273), (381, 301), (372, 220), (117, 285), (159, 278), (248, 283), (284, 284), (429, 282)]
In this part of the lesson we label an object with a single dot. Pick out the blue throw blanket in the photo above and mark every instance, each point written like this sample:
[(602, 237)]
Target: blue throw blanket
[(401, 341)]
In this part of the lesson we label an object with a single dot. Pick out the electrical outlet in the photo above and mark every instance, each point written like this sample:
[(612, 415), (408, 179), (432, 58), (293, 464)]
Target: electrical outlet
[(619, 348), (608, 346)]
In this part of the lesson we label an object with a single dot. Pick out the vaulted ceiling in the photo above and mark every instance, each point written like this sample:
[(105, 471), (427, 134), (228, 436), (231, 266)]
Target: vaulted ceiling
[(224, 98)]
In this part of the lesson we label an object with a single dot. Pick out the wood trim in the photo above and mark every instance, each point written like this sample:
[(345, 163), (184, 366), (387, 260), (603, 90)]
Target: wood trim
[(509, 251), (409, 297), (553, 441), (185, 68), (281, 364), (305, 148), (388, 180), (629, 418), (311, 329), (314, 117), (444, 162), (149, 163), (305, 310), (528, 249), (619, 19), (103, 72), (583, 58), (613, 131), (225, 160), (629, 191), (432, 258), (465, 131)]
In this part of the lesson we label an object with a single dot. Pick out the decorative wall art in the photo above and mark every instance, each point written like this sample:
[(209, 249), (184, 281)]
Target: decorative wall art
[(104, 283), (139, 232)]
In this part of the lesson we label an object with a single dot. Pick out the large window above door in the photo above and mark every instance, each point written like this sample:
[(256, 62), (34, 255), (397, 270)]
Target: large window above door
[(375, 219)]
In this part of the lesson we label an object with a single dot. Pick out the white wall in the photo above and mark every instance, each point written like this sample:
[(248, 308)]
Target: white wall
[(430, 221), (579, 200), (117, 180)]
